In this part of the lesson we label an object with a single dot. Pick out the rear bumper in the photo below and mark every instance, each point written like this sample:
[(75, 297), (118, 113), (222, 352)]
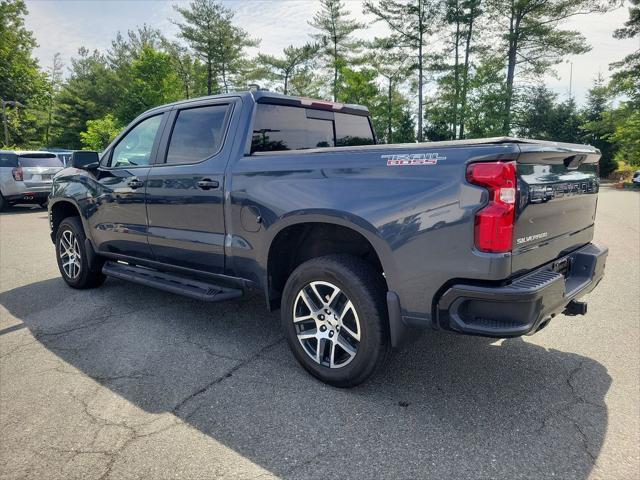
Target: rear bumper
[(29, 196), (527, 303)]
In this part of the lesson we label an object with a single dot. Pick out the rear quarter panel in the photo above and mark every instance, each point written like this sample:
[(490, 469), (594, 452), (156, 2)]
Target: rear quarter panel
[(419, 218)]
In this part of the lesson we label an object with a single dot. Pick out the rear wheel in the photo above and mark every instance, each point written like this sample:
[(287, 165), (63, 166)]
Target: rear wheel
[(335, 319), (76, 267)]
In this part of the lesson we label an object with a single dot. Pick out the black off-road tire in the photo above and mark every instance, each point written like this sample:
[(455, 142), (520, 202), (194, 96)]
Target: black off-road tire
[(366, 289), (90, 270)]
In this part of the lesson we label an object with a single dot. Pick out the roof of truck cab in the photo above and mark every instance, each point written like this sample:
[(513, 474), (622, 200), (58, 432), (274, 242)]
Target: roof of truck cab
[(265, 96)]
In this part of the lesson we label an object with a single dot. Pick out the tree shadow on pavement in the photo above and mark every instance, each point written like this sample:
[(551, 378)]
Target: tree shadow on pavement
[(446, 406)]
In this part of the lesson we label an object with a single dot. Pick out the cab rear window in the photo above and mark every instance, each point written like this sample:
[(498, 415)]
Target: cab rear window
[(282, 127)]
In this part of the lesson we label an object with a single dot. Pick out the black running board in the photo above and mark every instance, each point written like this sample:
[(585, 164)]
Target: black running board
[(207, 292)]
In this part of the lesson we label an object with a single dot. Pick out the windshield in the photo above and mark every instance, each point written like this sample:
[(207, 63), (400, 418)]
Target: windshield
[(48, 161)]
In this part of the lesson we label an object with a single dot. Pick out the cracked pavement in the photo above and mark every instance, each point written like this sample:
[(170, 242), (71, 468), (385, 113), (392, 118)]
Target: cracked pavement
[(127, 382)]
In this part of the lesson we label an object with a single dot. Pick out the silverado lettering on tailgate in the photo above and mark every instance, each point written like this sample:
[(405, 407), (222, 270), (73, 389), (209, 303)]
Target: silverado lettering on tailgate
[(408, 159)]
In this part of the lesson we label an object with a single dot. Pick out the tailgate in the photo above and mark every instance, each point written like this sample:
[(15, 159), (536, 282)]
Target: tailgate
[(39, 174), (38, 168), (558, 192)]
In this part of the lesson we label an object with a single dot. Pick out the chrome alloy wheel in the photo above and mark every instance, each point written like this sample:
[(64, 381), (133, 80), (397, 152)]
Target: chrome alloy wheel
[(70, 254), (327, 324)]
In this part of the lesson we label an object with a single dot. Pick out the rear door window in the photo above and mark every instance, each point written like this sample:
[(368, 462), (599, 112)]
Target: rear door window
[(198, 134), (40, 161)]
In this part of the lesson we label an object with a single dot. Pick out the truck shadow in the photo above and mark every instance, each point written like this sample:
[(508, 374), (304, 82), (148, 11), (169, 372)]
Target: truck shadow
[(447, 406), (23, 208)]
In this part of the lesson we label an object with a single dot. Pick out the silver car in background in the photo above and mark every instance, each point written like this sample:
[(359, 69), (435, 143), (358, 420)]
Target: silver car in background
[(26, 177)]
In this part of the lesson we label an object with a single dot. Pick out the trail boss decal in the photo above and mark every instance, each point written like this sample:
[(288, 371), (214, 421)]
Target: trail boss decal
[(408, 159)]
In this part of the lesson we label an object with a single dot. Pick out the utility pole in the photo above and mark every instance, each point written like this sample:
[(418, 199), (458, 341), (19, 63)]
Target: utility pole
[(5, 103), (570, 77)]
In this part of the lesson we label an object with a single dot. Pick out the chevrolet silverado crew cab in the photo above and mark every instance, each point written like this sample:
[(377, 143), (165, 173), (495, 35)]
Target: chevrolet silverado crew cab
[(358, 244)]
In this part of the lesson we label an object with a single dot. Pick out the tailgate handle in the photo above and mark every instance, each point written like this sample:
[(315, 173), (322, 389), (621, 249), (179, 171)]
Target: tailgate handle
[(207, 183)]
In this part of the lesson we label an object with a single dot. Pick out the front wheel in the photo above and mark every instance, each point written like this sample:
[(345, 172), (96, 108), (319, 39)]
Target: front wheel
[(76, 267), (335, 319)]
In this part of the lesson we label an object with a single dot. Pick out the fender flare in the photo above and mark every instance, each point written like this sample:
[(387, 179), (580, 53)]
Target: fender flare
[(74, 203), (333, 217)]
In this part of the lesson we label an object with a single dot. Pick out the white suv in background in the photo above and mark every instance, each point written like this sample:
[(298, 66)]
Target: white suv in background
[(26, 177)]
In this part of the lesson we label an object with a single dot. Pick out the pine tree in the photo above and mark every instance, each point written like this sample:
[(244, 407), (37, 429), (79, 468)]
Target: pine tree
[(54, 83), (209, 30), (283, 69), (533, 41), (335, 37), (411, 24), (598, 126)]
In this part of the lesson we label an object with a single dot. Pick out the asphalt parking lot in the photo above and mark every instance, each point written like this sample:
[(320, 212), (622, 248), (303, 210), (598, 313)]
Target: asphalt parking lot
[(128, 382)]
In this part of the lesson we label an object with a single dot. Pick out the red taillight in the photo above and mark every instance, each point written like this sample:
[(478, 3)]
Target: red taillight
[(17, 174), (494, 223)]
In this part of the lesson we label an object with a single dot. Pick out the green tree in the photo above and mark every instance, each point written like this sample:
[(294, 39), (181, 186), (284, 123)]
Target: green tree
[(597, 125), (411, 24), (627, 138), (533, 41), (567, 122), (189, 69), (626, 82), (20, 79), (483, 116), (282, 69), (88, 93), (626, 77), (54, 83), (306, 83), (394, 67), (335, 37), (471, 12), (100, 132), (534, 113), (208, 28), (405, 132), (148, 81)]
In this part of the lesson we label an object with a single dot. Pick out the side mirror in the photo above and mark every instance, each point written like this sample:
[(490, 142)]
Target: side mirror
[(84, 159)]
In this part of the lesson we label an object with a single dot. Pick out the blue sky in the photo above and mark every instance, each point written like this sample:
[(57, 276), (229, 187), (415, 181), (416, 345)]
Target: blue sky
[(66, 25)]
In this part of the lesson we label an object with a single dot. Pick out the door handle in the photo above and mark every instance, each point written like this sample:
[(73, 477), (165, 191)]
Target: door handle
[(207, 183), (135, 183)]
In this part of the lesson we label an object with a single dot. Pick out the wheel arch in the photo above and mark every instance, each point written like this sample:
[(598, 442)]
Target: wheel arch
[(300, 237), (61, 209)]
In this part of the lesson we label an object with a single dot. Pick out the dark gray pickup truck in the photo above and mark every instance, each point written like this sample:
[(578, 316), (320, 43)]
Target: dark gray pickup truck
[(360, 245)]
